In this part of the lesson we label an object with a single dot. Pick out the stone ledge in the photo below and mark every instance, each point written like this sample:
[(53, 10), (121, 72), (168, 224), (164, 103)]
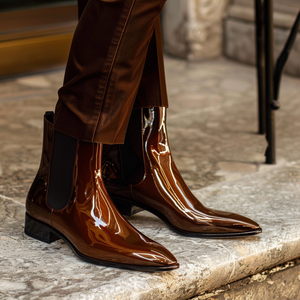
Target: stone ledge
[(278, 283), (29, 268)]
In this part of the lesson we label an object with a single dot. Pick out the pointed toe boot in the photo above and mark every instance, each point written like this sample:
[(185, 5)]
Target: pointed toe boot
[(158, 187), (79, 210)]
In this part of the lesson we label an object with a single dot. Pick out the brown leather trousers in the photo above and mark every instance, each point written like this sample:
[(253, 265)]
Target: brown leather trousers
[(115, 65)]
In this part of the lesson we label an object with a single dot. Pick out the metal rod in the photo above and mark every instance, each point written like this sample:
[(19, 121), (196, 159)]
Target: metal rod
[(284, 55), (270, 115), (260, 65)]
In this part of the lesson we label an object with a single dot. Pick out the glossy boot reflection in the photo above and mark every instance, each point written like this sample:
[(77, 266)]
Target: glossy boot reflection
[(162, 190), (89, 223)]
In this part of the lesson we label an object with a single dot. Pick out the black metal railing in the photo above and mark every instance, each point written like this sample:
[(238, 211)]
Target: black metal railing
[(268, 77)]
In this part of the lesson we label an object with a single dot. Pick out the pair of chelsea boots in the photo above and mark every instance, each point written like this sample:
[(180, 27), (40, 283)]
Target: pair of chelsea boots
[(82, 188)]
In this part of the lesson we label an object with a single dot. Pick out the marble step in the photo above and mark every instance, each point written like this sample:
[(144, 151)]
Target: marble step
[(31, 269)]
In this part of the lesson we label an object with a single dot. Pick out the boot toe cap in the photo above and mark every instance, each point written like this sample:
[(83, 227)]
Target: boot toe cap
[(230, 223)]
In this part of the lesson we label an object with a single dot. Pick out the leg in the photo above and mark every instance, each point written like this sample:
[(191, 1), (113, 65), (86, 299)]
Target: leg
[(68, 199), (152, 89), (96, 105), (148, 177)]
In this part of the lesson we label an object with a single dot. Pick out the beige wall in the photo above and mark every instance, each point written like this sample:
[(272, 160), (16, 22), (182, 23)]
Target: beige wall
[(202, 29), (193, 29)]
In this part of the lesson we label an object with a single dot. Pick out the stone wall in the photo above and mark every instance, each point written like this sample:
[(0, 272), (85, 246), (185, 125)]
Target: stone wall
[(239, 37), (193, 29), (202, 29)]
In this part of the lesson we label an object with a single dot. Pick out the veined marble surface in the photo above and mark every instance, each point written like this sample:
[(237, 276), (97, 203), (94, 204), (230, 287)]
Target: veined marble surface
[(30, 269)]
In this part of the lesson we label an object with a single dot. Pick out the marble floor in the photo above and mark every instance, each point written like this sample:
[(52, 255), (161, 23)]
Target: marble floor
[(212, 126)]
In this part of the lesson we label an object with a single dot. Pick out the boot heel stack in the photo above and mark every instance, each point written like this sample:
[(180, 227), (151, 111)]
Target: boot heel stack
[(39, 231), (125, 208)]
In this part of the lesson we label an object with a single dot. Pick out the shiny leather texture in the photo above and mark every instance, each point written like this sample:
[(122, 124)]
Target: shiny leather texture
[(90, 223), (163, 192)]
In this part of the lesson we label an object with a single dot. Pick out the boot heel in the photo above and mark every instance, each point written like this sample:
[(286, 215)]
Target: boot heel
[(39, 231), (125, 208)]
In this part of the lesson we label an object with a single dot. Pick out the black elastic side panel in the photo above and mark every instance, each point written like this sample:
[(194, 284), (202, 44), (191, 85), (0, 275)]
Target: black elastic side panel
[(61, 170), (132, 150)]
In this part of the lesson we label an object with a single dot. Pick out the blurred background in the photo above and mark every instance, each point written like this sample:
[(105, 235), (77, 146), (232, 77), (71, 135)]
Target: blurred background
[(36, 34)]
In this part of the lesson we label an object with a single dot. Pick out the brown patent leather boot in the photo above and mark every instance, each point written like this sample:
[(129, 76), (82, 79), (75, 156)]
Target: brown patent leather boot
[(83, 215), (161, 189)]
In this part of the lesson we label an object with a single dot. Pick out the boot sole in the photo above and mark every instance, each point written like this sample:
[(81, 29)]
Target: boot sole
[(40, 231), (126, 206)]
